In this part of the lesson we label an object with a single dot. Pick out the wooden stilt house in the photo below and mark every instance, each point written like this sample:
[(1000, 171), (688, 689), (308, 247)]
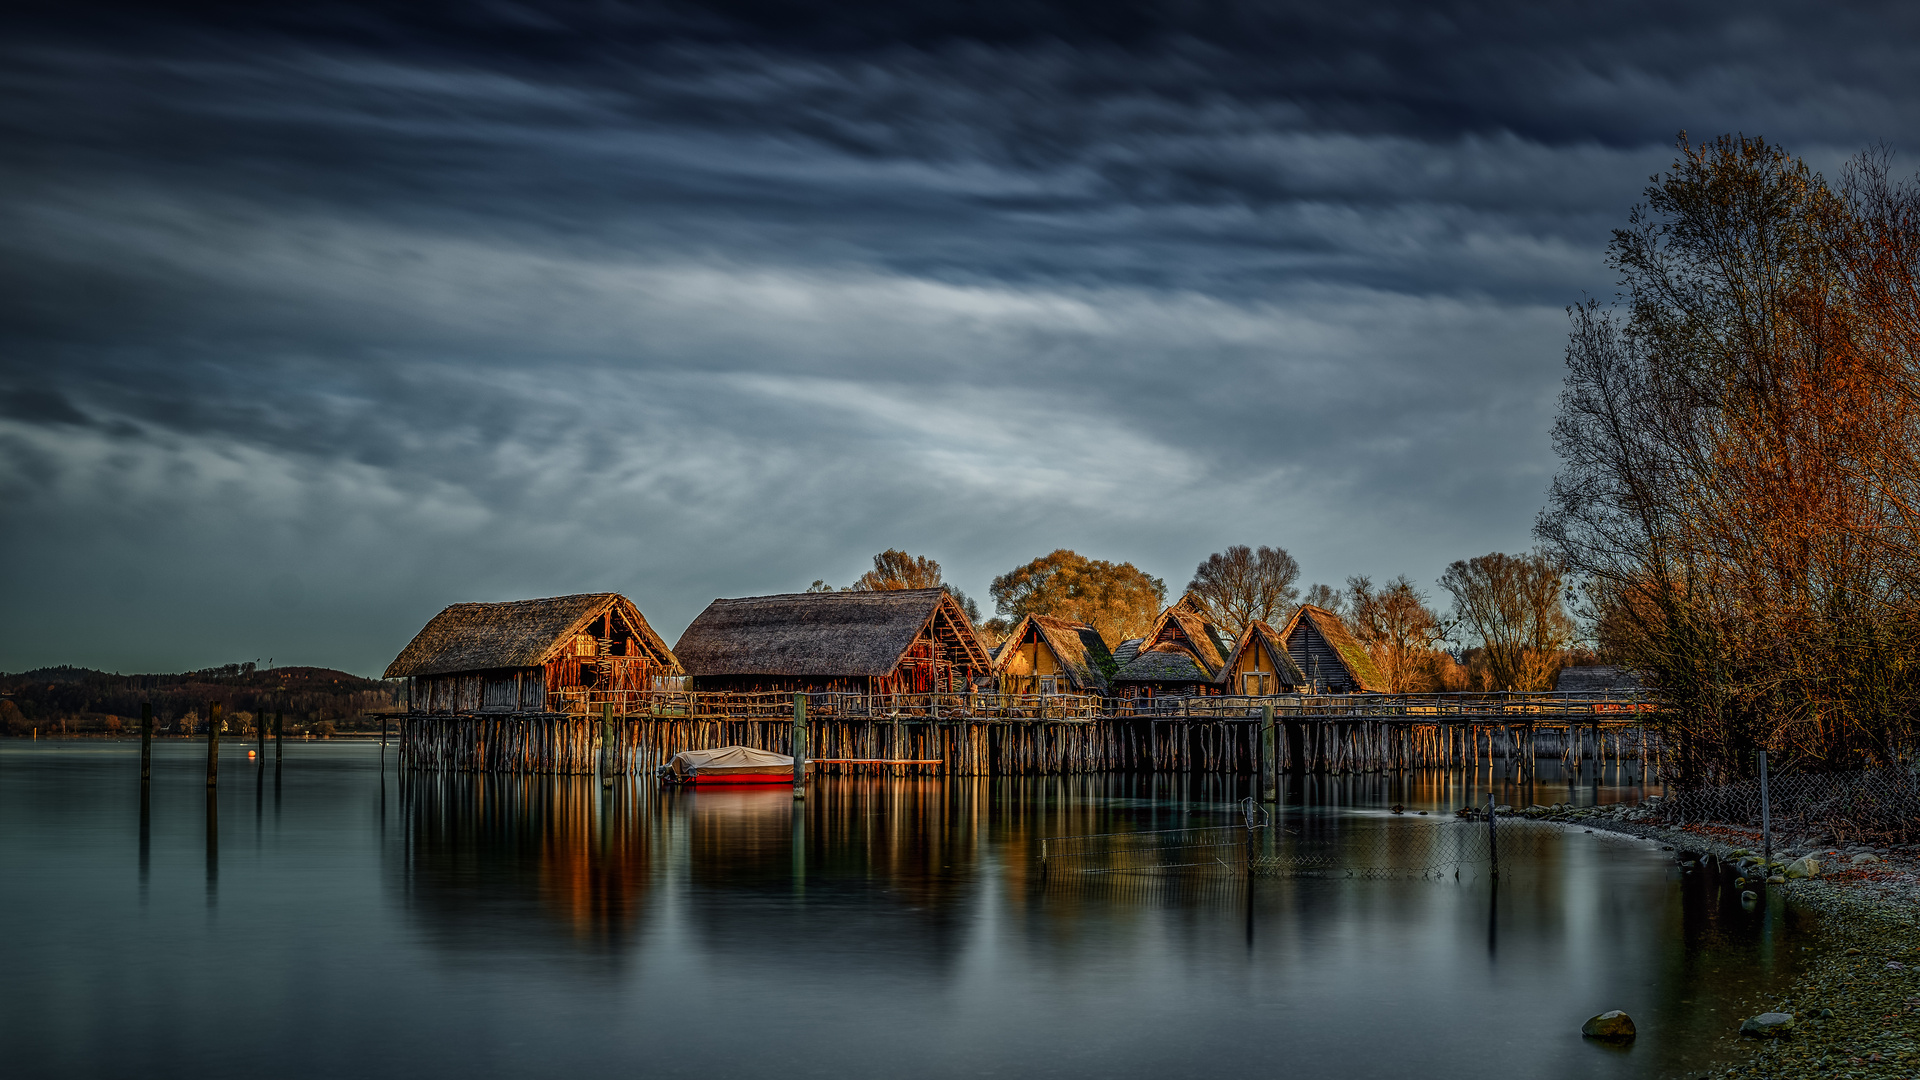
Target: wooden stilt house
[(557, 655), (1183, 653), (1260, 664), (1327, 653), (1045, 655), (904, 641)]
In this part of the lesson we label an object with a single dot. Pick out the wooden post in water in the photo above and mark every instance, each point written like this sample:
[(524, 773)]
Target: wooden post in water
[(1493, 838), (213, 744), (1269, 765), (146, 742), (260, 736), (799, 746), (606, 745), (279, 726)]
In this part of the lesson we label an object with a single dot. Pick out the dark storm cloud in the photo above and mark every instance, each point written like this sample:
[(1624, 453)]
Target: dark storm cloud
[(380, 310)]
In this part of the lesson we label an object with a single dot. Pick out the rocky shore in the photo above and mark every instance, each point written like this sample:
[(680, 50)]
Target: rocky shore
[(1856, 1007)]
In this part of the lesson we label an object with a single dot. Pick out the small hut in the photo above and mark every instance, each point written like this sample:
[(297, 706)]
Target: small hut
[(903, 641), (557, 655), (1045, 655), (1183, 653), (1597, 679), (1260, 664), (1327, 653)]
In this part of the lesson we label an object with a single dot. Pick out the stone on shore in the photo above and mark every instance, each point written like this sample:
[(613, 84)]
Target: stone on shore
[(1864, 857), (1614, 1026), (1805, 866), (1767, 1025)]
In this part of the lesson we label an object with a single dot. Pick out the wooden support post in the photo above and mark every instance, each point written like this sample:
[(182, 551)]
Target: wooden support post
[(146, 742), (1268, 766), (799, 746), (213, 744), (260, 735), (606, 745), (279, 726)]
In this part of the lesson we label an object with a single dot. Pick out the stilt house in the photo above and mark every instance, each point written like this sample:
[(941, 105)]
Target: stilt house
[(905, 641), (561, 654), (1183, 653), (1045, 655), (1260, 664), (1327, 653)]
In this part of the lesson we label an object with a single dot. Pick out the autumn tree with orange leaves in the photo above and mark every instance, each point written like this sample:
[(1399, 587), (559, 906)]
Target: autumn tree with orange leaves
[(1740, 437)]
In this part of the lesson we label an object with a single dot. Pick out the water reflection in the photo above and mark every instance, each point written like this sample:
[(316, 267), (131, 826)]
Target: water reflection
[(487, 926)]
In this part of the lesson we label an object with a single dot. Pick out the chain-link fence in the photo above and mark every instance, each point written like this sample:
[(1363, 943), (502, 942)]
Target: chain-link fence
[(1304, 845), (1881, 805)]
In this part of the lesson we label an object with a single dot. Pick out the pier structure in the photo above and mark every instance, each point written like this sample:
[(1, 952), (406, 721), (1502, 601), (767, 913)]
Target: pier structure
[(973, 734)]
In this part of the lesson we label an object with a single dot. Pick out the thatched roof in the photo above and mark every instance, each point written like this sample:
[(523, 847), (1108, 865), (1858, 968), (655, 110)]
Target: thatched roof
[(823, 634), (1181, 646), (1597, 680), (1081, 650), (1352, 654), (516, 634), (1124, 652), (1258, 635)]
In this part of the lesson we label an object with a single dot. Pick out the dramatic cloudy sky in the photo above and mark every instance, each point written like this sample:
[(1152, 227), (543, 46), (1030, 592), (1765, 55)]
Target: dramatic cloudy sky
[(312, 323)]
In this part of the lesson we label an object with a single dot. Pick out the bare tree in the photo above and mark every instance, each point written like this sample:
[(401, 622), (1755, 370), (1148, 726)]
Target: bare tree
[(1398, 630), (1512, 604), (1324, 596), (1242, 585)]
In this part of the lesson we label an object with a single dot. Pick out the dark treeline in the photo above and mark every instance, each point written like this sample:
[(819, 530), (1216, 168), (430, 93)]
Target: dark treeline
[(1740, 435), (68, 700)]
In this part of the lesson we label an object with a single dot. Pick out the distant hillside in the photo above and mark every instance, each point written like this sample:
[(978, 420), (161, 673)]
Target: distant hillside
[(74, 700)]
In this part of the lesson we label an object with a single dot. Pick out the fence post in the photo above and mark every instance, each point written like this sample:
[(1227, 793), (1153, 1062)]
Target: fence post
[(1766, 821), (1269, 755), (799, 746), (1493, 838)]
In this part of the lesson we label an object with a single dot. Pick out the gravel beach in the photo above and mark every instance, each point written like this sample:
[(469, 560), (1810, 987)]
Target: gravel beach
[(1856, 1007)]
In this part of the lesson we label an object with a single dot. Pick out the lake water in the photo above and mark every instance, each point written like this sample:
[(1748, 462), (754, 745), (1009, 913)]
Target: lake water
[(334, 921)]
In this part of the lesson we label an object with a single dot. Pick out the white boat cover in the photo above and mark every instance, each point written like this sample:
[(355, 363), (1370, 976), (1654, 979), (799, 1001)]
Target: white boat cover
[(728, 759)]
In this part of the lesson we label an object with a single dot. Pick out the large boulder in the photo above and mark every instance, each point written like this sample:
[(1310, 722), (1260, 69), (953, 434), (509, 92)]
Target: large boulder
[(1806, 866), (1614, 1026), (1767, 1025)]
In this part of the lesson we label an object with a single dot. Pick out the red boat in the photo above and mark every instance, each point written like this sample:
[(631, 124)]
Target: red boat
[(729, 765)]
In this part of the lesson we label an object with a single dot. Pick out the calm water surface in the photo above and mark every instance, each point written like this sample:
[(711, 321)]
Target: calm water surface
[(335, 921)]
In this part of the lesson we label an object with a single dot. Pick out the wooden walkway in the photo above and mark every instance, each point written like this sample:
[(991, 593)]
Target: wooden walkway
[(1003, 734)]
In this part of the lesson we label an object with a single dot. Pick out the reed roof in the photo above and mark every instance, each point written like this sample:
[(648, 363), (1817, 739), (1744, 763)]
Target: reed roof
[(1596, 679), (517, 634), (1180, 646), (1351, 653), (825, 634), (1258, 635), (1079, 648)]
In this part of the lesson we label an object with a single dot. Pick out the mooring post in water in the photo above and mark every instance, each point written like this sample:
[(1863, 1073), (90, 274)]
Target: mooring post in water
[(799, 746), (260, 736), (1766, 821), (213, 744), (1493, 838), (606, 745), (279, 726), (1269, 755), (146, 742)]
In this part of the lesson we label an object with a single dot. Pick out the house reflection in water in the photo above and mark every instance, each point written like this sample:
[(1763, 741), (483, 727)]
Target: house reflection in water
[(482, 848)]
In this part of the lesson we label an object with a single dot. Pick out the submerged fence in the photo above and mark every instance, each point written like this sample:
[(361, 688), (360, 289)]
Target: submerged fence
[(1347, 846), (1868, 804)]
